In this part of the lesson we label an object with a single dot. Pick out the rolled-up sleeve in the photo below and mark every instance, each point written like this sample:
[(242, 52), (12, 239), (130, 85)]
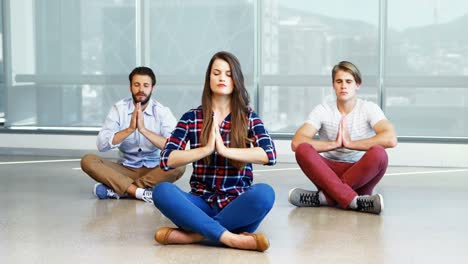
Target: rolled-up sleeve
[(177, 141), (262, 138), (168, 122), (109, 128)]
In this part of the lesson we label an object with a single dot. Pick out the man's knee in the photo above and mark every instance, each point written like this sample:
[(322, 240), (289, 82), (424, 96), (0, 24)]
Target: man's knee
[(379, 150), (179, 171), (379, 153), (304, 147), (159, 176), (87, 160), (304, 151), (176, 173)]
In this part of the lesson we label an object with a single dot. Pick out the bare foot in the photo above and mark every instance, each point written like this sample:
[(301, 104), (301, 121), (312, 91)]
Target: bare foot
[(178, 236)]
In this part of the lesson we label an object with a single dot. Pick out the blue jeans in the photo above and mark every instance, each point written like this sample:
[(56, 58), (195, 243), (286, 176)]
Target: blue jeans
[(192, 213)]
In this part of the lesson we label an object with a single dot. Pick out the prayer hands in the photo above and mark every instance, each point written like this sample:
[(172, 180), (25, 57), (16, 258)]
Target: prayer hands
[(343, 140), (137, 121)]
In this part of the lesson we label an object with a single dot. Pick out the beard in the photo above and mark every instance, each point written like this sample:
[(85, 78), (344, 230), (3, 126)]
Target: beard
[(143, 101)]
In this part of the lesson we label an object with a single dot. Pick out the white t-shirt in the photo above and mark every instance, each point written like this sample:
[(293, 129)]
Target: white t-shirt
[(359, 124)]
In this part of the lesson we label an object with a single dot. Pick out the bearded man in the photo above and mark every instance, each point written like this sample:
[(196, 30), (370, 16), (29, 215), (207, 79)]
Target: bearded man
[(138, 127)]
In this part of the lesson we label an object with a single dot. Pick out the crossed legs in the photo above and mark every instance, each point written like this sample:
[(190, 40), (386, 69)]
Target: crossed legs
[(123, 179), (339, 181), (197, 220)]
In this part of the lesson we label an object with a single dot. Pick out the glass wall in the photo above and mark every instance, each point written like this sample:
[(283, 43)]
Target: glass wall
[(2, 70), (68, 61), (301, 42), (426, 70), (184, 36)]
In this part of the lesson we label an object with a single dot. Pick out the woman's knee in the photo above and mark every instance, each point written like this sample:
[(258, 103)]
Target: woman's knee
[(264, 195), (163, 191)]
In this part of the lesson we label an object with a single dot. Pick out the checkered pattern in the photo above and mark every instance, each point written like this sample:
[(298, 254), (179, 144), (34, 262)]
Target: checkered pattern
[(218, 183)]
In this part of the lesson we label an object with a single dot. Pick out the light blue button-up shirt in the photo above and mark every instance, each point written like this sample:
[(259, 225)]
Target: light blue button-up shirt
[(136, 150)]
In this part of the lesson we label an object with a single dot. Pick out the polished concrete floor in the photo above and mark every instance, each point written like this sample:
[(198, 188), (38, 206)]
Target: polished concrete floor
[(49, 215)]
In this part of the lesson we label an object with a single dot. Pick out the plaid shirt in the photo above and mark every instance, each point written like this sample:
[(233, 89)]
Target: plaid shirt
[(217, 183)]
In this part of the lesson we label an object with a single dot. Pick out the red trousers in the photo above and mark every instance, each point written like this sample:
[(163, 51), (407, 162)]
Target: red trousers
[(342, 181)]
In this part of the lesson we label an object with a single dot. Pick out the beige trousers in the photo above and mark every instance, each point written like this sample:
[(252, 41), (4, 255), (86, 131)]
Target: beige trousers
[(119, 178)]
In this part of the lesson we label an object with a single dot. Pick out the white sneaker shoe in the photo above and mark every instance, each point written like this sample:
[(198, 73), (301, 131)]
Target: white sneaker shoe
[(148, 196)]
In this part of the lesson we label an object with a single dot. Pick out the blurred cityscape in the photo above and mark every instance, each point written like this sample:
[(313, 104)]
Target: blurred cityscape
[(70, 61)]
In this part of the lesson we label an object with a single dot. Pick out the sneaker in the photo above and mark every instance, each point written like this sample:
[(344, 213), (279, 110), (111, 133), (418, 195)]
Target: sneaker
[(370, 204), (303, 198), (103, 192), (148, 196)]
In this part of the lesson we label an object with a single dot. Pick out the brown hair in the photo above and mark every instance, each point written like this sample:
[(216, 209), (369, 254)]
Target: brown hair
[(239, 106), (347, 67), (142, 71)]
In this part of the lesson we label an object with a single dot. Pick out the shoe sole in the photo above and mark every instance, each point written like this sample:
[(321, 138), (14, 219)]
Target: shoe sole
[(381, 203), (289, 195), (94, 189), (148, 201)]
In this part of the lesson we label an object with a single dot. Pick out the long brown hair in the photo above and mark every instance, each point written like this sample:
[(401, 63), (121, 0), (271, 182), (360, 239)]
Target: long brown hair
[(239, 106)]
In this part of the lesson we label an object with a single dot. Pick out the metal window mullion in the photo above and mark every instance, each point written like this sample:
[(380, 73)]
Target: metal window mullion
[(382, 52), (258, 55), (142, 27), (7, 60), (145, 51)]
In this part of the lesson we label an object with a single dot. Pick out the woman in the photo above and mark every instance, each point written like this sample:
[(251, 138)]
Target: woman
[(226, 137)]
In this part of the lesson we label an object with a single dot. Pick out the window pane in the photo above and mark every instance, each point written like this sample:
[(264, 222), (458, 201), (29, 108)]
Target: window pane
[(181, 98), (426, 68), (70, 59), (301, 42), (422, 111), (2, 72), (59, 49), (285, 108), (184, 35)]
